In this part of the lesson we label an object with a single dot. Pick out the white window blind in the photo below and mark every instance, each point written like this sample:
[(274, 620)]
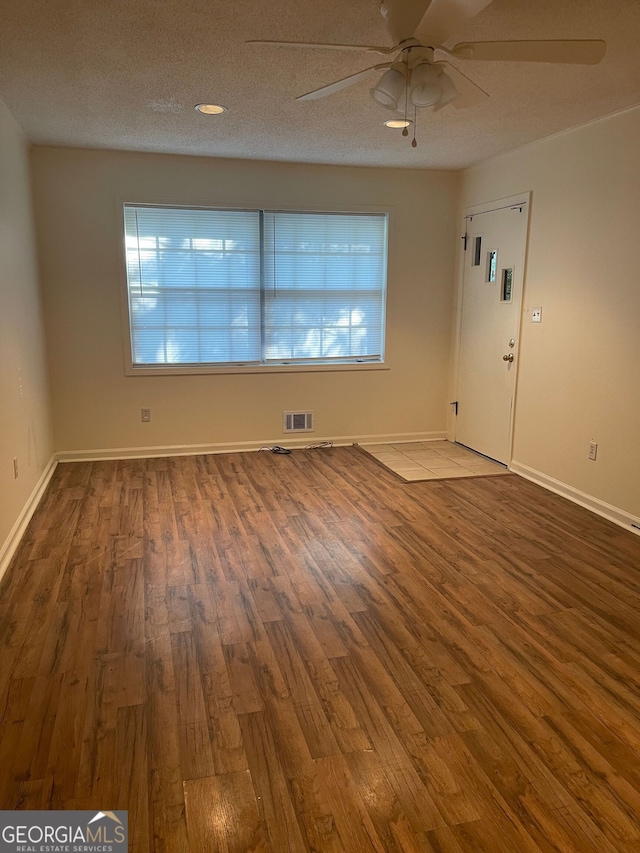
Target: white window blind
[(324, 281), (194, 285), (212, 287)]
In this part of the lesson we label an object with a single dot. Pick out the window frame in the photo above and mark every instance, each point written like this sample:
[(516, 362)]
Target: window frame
[(132, 369)]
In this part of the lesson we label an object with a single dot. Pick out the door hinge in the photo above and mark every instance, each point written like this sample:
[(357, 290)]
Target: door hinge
[(465, 237), (454, 403)]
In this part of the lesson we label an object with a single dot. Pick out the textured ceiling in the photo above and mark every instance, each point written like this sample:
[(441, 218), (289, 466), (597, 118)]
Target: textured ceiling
[(123, 74)]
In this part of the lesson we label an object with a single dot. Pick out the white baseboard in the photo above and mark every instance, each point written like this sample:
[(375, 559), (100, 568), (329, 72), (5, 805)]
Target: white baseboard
[(612, 513), (10, 546), (240, 446)]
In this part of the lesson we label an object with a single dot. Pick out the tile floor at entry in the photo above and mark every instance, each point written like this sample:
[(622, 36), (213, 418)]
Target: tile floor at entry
[(433, 460)]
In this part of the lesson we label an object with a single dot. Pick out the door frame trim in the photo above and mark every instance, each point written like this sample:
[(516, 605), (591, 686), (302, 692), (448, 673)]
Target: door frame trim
[(523, 198)]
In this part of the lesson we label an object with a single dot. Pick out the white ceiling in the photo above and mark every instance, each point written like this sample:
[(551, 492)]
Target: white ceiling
[(124, 74)]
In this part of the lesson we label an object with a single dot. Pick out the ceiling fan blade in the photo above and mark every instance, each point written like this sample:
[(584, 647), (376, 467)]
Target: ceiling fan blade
[(574, 51), (401, 18), (365, 48), (469, 94), (444, 18), (342, 84)]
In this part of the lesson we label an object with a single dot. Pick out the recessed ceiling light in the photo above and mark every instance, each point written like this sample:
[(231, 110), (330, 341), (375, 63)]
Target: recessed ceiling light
[(397, 122), (210, 109)]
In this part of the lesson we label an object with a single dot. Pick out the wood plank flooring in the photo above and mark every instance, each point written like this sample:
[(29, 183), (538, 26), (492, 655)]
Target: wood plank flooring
[(297, 653)]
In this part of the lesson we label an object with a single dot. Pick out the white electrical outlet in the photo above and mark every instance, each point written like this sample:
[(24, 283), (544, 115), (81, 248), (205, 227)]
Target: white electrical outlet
[(15, 468), (536, 315), (145, 415), (593, 450)]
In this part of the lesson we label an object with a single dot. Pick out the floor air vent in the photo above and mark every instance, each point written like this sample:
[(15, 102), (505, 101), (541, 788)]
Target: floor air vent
[(298, 421)]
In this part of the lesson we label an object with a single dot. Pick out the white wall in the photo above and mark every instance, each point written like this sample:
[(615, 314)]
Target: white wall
[(579, 373), (25, 426), (78, 199)]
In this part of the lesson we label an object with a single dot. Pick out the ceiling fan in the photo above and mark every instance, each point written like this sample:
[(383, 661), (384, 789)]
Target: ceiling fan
[(413, 78)]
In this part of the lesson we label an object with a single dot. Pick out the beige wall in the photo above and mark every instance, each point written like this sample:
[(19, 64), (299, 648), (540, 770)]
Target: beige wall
[(25, 430), (78, 197), (579, 373)]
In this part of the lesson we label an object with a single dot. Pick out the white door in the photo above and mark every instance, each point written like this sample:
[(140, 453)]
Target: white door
[(490, 325)]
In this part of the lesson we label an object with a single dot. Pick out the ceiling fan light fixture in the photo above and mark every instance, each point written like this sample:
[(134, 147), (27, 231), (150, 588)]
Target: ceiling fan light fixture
[(210, 109), (449, 92), (389, 89), (397, 122), (425, 87)]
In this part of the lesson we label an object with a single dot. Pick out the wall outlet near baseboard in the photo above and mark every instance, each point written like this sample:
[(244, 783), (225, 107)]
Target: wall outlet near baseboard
[(593, 450), (145, 415)]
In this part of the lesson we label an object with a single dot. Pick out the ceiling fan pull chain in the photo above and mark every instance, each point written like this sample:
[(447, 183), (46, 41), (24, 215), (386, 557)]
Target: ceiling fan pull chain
[(405, 132), (414, 144)]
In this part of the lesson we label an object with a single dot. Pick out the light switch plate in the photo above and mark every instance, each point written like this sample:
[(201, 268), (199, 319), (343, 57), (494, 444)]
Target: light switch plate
[(536, 315)]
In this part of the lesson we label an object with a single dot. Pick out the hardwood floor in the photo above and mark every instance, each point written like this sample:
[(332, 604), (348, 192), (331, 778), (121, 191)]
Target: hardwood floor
[(300, 653)]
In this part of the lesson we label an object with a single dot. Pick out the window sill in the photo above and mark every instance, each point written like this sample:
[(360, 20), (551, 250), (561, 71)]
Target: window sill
[(191, 370)]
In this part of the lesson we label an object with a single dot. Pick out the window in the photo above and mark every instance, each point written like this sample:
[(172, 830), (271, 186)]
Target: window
[(254, 287), (477, 248)]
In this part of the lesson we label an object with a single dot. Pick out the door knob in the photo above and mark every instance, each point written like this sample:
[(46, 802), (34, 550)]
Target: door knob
[(508, 357)]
